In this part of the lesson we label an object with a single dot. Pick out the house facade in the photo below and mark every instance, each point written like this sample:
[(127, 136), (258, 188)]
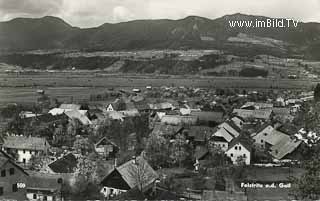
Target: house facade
[(239, 150), (23, 148), (135, 173), (13, 179)]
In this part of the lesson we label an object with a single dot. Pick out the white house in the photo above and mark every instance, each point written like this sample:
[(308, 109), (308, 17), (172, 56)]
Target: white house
[(25, 147), (110, 108), (239, 149), (261, 137)]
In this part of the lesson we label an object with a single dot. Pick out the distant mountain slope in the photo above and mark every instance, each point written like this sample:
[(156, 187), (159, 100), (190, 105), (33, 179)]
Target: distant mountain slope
[(191, 32)]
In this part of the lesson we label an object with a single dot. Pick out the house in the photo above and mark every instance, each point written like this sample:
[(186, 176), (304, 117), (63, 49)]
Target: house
[(239, 149), (179, 120), (200, 134), (44, 187), (261, 136), (167, 131), (238, 121), (13, 179), (65, 164), (23, 148), (70, 106), (136, 173), (115, 115), (75, 114), (263, 114), (256, 106), (132, 142), (227, 130), (208, 118), (220, 142), (106, 148), (284, 147)]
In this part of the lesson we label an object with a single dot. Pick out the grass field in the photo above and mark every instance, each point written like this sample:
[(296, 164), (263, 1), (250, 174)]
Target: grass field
[(79, 85)]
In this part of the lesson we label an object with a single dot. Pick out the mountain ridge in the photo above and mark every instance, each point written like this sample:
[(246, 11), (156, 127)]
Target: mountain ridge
[(192, 32)]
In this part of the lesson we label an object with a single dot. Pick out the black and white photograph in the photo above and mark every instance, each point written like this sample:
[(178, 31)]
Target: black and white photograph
[(151, 100)]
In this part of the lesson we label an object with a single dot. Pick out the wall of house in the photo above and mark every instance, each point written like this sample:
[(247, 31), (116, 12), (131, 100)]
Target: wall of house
[(111, 192), (261, 137), (239, 150), (9, 180), (39, 197), (222, 145)]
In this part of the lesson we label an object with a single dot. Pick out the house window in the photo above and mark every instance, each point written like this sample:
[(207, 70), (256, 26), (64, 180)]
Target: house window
[(45, 198), (24, 151), (265, 134), (34, 196), (244, 155), (11, 171), (14, 187), (3, 173), (236, 147), (239, 147), (24, 160), (231, 155), (261, 141), (1, 191)]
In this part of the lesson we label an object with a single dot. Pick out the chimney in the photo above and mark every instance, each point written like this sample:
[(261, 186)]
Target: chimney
[(134, 159), (115, 162)]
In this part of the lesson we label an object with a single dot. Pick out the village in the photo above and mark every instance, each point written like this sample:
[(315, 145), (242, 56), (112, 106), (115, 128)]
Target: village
[(158, 143)]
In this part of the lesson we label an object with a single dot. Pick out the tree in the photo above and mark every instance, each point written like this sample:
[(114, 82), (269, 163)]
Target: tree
[(308, 186), (179, 150), (85, 183), (83, 146), (317, 93), (157, 151), (140, 171)]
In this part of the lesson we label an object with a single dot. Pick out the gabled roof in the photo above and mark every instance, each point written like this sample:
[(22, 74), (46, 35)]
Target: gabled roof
[(28, 143), (135, 170), (70, 106), (106, 140), (44, 182), (166, 130), (276, 136), (284, 147), (231, 128), (208, 116), (75, 114), (66, 164), (222, 132), (242, 141), (200, 152), (5, 158), (200, 133)]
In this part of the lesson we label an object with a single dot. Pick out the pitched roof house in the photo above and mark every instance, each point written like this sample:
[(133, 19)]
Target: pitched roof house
[(65, 164), (239, 148), (11, 175), (44, 186), (25, 147), (134, 173)]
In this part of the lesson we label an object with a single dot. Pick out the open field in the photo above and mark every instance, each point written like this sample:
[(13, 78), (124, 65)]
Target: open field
[(15, 87)]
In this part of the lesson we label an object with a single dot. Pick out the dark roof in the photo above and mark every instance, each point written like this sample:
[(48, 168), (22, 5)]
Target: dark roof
[(201, 152), (128, 170), (242, 141), (208, 116), (65, 164), (218, 139), (38, 181), (5, 158), (200, 133), (166, 129)]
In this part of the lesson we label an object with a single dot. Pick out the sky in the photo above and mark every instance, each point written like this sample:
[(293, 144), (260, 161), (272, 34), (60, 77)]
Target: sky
[(92, 13)]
